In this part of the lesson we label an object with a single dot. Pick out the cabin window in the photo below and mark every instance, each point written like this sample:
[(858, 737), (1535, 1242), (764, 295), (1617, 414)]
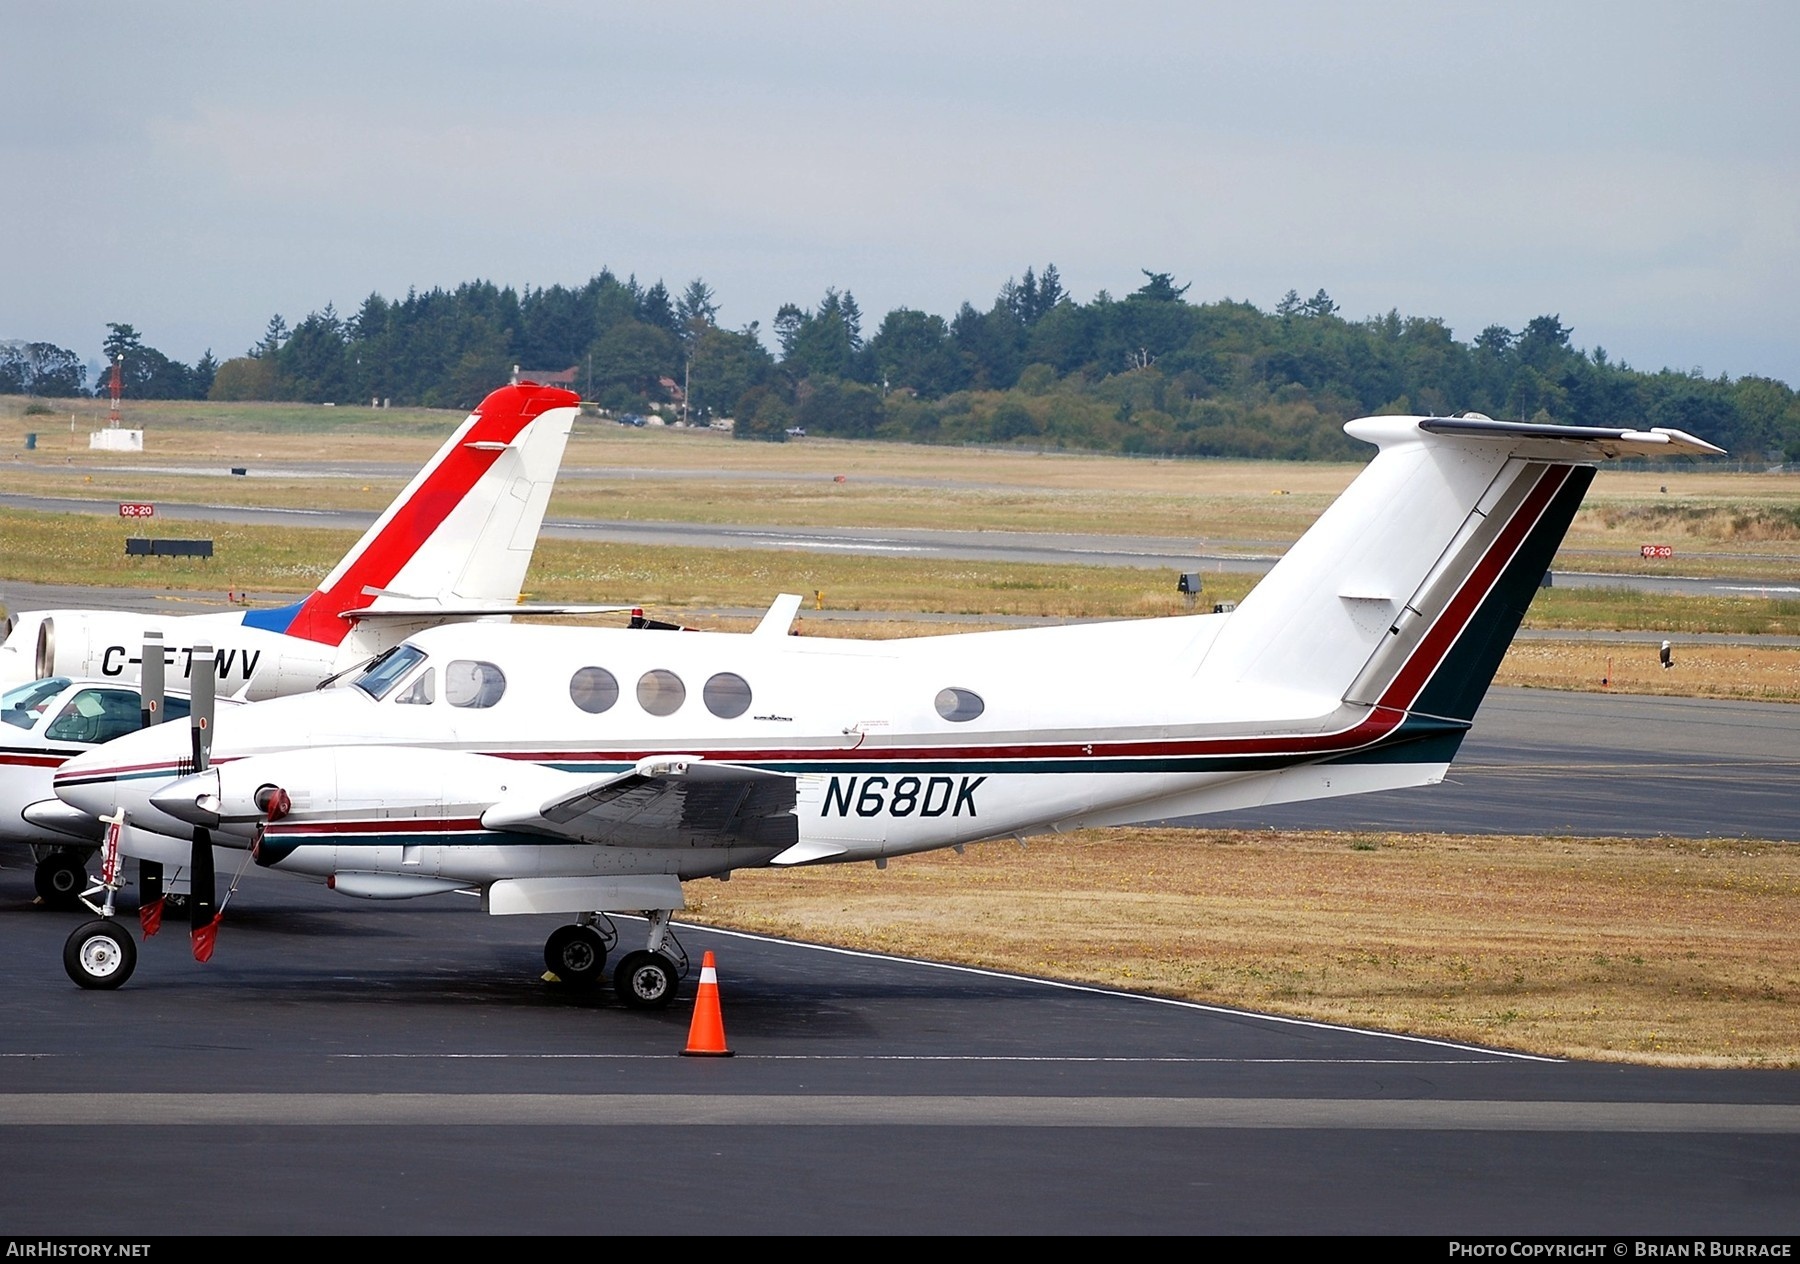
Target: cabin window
[(24, 706), (660, 692), (594, 689), (474, 684), (727, 695), (422, 692), (959, 705), (385, 672), (97, 715)]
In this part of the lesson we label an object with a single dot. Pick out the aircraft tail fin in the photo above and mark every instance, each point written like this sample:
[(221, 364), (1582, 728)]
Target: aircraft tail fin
[(465, 526), (1407, 591)]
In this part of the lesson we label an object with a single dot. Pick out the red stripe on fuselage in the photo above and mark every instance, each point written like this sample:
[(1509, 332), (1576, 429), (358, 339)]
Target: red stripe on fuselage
[(19, 759), (499, 419)]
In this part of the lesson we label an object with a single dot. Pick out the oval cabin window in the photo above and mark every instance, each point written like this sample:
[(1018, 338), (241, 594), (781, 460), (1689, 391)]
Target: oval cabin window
[(727, 695), (660, 692), (594, 689), (959, 705)]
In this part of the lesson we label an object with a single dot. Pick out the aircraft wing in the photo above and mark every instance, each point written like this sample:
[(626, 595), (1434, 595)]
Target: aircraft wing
[(451, 613), (666, 801), (391, 605)]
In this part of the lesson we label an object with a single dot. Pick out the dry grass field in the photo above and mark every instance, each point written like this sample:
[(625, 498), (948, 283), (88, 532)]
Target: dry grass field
[(1662, 951)]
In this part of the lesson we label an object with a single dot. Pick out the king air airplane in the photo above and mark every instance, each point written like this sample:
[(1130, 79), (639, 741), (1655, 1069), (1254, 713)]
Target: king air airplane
[(570, 770), (454, 545)]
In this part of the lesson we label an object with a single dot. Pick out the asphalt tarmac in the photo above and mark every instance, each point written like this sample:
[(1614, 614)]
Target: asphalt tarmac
[(349, 1069), (1590, 765)]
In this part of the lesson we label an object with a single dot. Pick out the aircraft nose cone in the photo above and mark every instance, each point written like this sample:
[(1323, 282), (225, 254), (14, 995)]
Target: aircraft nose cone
[(88, 784)]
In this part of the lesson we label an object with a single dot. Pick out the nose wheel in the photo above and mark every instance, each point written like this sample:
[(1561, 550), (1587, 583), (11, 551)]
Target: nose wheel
[(100, 954)]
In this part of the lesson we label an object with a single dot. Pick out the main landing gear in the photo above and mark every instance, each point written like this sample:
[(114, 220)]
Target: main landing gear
[(645, 980), (576, 956), (60, 878)]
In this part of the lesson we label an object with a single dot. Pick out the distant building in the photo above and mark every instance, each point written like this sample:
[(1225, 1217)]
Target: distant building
[(564, 378)]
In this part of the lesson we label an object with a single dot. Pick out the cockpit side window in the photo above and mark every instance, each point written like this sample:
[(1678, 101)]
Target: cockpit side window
[(422, 692), (385, 672), (24, 705), (97, 715), (472, 683)]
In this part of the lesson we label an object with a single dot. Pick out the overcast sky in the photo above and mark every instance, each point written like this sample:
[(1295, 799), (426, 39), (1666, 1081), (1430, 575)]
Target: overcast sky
[(193, 168)]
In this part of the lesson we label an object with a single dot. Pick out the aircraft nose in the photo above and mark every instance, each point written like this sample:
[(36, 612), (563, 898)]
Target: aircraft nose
[(99, 782), (88, 782)]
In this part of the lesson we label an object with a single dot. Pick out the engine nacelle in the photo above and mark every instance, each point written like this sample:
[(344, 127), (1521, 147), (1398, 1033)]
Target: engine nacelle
[(351, 791)]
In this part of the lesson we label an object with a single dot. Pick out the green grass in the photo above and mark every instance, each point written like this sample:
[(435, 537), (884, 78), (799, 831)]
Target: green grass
[(1622, 609)]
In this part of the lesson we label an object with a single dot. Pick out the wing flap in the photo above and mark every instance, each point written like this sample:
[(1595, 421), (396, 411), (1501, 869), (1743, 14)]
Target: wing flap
[(665, 801)]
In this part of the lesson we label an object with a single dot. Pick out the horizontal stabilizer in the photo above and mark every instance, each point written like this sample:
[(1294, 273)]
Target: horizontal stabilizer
[(1570, 442)]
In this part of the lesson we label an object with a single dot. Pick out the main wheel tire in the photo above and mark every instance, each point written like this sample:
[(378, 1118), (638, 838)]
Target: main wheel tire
[(576, 955), (100, 954), (645, 980), (60, 879)]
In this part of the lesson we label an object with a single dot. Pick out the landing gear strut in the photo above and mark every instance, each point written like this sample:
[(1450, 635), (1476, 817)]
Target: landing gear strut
[(101, 953)]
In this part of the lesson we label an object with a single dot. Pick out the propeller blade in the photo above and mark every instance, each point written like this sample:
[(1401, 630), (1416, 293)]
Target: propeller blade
[(203, 895), (151, 693), (200, 714), (150, 679)]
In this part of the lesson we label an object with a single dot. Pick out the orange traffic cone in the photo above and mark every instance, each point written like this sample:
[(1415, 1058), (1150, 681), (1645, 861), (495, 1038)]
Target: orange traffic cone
[(706, 1034)]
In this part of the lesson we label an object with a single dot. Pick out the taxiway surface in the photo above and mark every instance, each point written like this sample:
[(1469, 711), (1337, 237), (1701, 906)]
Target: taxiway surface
[(347, 1069)]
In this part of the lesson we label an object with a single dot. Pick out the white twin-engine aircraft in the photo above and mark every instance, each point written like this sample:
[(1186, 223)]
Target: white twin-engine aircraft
[(568, 770), (454, 545)]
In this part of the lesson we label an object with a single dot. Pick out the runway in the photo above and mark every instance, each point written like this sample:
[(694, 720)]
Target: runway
[(352, 1069)]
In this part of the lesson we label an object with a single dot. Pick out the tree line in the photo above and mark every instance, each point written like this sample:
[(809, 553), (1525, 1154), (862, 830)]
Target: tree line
[(1151, 372)]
